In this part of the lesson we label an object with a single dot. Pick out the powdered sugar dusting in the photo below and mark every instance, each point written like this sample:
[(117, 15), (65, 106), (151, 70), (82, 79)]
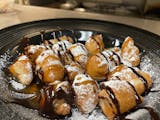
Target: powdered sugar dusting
[(23, 57), (81, 78), (16, 85), (30, 72), (124, 73), (63, 85), (111, 63), (117, 84), (72, 68), (86, 94), (4, 59), (130, 52), (61, 46), (33, 48), (95, 115), (53, 62), (78, 49), (102, 61), (150, 63), (43, 55)]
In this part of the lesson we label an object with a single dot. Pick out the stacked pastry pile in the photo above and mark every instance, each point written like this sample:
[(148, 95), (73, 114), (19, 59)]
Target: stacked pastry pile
[(73, 74)]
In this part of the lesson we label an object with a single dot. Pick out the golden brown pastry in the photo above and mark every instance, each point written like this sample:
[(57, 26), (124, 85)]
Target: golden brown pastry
[(56, 99), (79, 53), (49, 67), (33, 51), (95, 44), (60, 48), (64, 97), (67, 59), (99, 65), (67, 38), (86, 93), (22, 70), (130, 53), (51, 42), (72, 70), (117, 97), (139, 79)]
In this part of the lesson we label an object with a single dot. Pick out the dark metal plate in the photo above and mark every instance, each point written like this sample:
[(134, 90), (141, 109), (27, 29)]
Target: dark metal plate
[(80, 29)]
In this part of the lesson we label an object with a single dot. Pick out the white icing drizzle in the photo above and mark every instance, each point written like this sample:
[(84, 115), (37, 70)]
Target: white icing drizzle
[(61, 47)]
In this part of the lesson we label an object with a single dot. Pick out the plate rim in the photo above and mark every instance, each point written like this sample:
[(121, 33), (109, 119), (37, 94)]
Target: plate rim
[(82, 19)]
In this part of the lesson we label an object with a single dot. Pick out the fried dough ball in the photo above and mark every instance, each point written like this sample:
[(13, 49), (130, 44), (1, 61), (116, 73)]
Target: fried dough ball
[(79, 53), (49, 67), (72, 70), (22, 70), (33, 51), (61, 107), (99, 65), (95, 44), (56, 99)]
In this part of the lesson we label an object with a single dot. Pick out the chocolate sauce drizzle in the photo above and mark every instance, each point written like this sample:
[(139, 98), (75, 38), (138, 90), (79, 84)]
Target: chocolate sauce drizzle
[(96, 41), (141, 78), (50, 43), (137, 97), (47, 110), (47, 97), (64, 46), (112, 59), (114, 99), (82, 47), (153, 114), (105, 57), (42, 35), (119, 59)]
